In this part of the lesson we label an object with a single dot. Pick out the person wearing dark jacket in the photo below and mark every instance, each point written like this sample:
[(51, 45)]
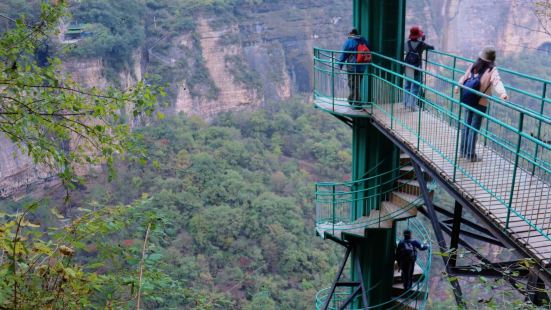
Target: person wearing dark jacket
[(416, 46), (354, 70), (406, 255)]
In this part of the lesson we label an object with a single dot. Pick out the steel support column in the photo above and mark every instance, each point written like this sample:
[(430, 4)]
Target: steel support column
[(535, 289), (336, 282), (456, 229), (438, 232)]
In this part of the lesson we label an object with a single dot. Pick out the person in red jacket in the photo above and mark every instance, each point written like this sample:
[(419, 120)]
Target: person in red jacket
[(415, 47)]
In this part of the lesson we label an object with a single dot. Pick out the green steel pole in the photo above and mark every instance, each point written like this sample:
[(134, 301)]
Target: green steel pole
[(487, 125), (542, 109), (316, 56), (334, 202), (512, 192), (419, 128), (457, 142), (333, 79), (452, 92)]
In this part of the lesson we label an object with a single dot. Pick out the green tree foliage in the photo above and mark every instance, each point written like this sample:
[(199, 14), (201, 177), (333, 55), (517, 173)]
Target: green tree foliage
[(54, 120), (48, 261), (229, 238), (117, 29)]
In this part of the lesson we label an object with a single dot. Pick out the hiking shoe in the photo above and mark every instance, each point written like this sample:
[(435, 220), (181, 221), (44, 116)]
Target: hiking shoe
[(475, 158)]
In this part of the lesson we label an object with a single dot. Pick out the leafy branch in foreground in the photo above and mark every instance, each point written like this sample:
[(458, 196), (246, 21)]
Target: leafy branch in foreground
[(55, 121), (73, 267)]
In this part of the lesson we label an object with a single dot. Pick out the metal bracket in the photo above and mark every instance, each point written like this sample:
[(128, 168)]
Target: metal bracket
[(335, 284)]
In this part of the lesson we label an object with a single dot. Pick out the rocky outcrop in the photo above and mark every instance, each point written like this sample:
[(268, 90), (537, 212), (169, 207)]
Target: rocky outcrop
[(88, 72), (263, 53), (18, 172), (524, 29), (231, 93)]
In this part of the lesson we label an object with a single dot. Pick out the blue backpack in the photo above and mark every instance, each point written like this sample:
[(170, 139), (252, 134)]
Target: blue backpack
[(468, 97)]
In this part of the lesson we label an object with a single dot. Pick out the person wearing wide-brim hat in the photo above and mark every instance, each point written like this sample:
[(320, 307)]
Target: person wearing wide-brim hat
[(415, 46), (490, 81)]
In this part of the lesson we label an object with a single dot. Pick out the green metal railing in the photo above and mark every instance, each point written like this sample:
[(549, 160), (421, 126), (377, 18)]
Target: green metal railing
[(513, 180), (335, 201), (415, 297), (332, 81)]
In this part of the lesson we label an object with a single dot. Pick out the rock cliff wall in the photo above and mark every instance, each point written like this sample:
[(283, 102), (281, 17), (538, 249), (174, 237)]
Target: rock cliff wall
[(18, 173), (465, 26), (255, 54), (218, 60)]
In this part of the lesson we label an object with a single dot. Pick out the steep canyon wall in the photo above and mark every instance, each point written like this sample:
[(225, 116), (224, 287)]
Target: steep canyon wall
[(263, 54)]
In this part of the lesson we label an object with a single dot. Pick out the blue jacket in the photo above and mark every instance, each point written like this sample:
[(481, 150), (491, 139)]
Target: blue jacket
[(351, 45)]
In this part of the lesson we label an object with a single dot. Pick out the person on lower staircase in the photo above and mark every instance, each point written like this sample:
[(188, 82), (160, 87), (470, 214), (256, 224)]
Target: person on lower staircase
[(406, 255)]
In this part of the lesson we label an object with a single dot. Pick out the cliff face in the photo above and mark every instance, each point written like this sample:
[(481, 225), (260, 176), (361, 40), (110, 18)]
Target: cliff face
[(263, 55), (18, 173), (256, 54), (465, 26), (219, 61)]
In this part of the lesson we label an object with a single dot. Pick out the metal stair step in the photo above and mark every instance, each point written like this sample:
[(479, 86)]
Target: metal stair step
[(403, 199), (398, 290), (411, 187), (407, 172), (404, 159), (398, 212), (417, 273), (354, 228)]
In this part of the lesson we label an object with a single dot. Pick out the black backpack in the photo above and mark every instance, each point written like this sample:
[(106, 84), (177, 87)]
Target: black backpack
[(407, 252), (413, 56)]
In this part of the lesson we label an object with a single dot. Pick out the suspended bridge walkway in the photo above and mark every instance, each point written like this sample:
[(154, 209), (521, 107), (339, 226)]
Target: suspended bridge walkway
[(510, 188)]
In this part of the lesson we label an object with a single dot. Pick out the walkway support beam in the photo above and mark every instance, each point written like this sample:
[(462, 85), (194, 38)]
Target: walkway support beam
[(438, 232), (456, 229)]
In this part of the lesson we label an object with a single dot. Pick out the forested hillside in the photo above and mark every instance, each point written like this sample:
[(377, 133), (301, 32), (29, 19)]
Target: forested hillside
[(233, 207)]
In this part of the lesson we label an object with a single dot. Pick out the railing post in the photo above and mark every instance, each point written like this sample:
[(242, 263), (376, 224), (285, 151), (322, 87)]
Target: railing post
[(316, 203), (542, 107), (452, 93), (392, 98), (419, 128), (316, 57), (334, 203), (457, 141), (487, 125), (515, 168), (333, 79)]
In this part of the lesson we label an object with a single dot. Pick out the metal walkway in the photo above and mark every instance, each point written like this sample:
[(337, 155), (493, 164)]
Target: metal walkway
[(510, 186)]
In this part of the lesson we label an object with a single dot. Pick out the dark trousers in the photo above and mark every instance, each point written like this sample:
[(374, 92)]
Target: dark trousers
[(407, 273), (354, 87), (469, 131)]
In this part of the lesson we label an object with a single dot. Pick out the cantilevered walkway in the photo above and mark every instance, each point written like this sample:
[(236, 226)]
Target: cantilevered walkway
[(510, 189)]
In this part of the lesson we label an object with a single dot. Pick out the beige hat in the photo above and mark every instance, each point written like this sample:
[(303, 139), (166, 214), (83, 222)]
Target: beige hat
[(488, 54)]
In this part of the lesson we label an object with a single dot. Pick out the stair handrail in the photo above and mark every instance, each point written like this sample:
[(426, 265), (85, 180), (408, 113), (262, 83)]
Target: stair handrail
[(420, 284)]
